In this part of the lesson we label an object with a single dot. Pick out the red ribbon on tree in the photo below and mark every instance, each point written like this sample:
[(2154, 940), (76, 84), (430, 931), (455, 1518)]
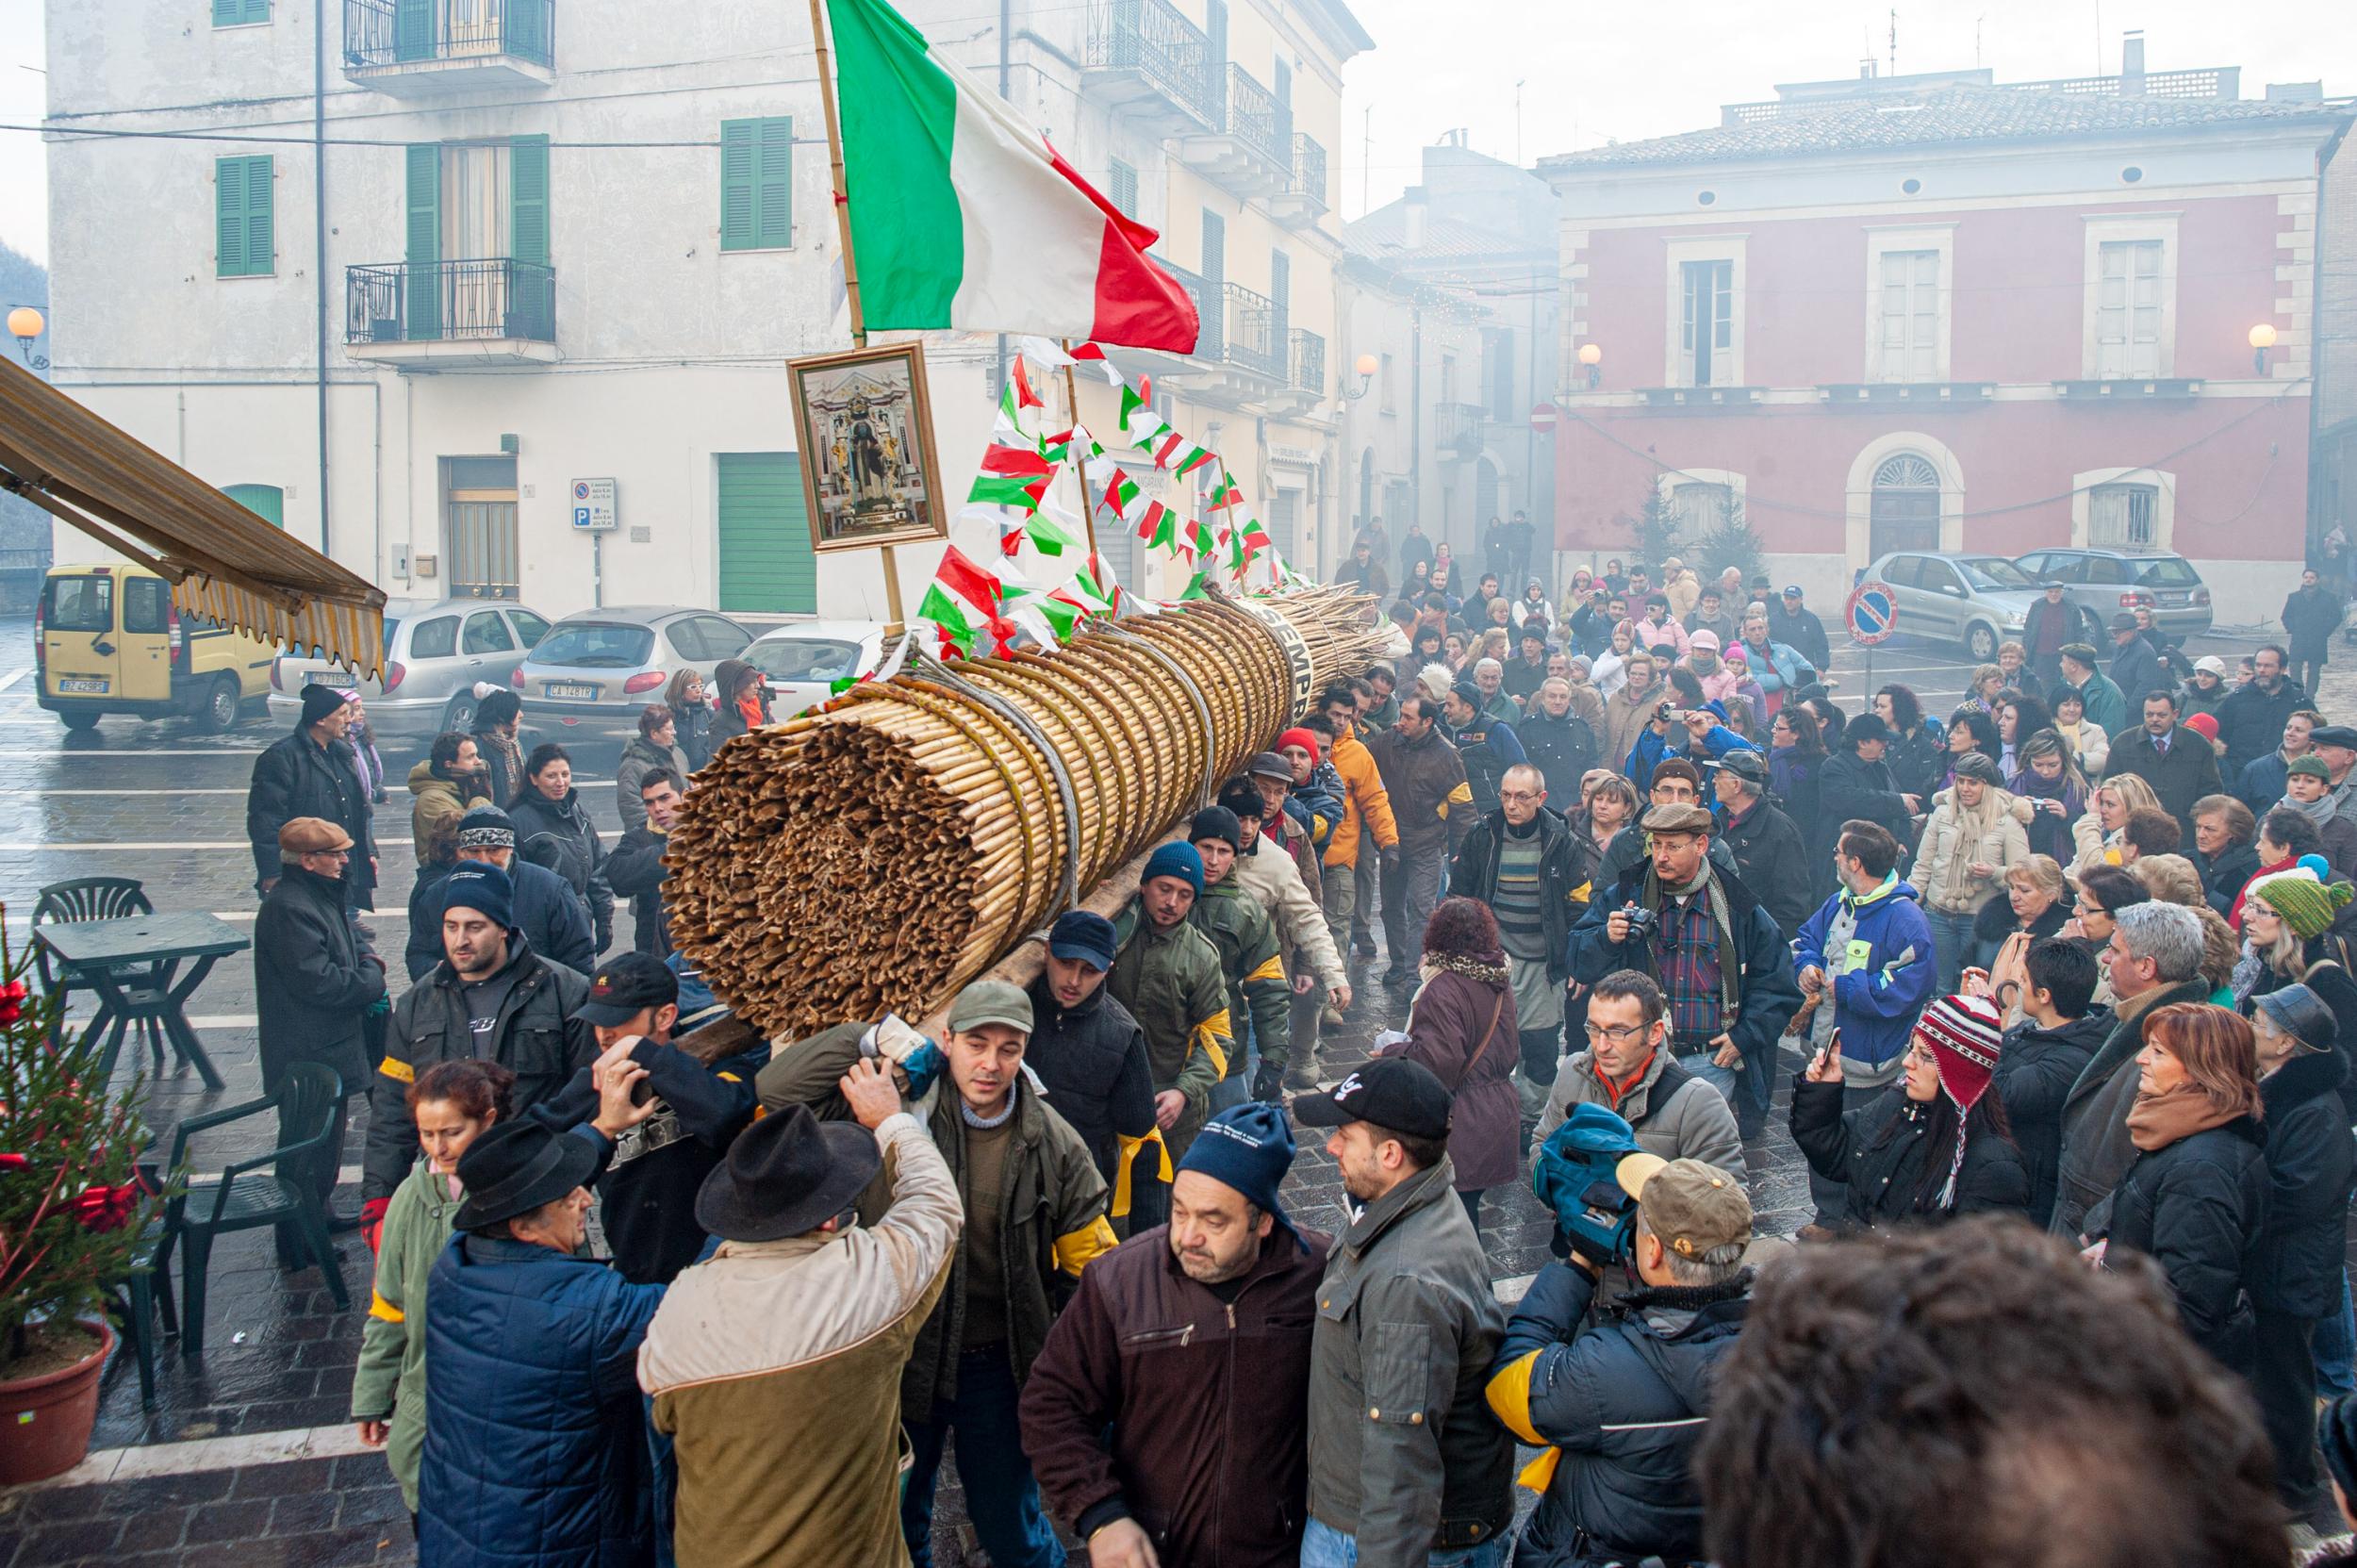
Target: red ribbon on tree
[(12, 1001), (105, 1208)]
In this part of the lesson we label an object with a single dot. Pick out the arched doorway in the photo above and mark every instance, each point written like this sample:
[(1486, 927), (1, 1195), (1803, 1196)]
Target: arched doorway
[(1905, 510)]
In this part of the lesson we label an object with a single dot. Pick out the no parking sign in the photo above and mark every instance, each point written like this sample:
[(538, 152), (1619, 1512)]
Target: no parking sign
[(1872, 613)]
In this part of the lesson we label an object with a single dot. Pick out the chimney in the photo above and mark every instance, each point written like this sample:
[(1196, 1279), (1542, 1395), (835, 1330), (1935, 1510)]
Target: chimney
[(1867, 70), (2132, 64), (1412, 219)]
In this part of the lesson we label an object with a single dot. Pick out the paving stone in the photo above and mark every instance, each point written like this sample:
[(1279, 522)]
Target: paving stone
[(71, 1539), (158, 1529), (229, 1521), (304, 1515), (284, 1479)]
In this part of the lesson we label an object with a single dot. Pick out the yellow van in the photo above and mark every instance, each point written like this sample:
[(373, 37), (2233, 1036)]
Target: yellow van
[(106, 639)]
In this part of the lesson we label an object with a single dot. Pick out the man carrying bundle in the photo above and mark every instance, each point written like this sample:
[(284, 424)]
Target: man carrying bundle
[(1167, 974), (1248, 955)]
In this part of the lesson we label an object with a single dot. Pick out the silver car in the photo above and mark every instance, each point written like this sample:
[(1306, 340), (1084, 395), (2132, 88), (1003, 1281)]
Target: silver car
[(2100, 584), (435, 651), (802, 661), (1976, 601), (608, 663)]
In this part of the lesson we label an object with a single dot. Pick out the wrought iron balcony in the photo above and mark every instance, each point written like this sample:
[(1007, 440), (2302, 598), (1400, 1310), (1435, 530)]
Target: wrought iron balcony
[(1303, 201), (1148, 59), (1457, 430), (1309, 362), (415, 47), (1249, 150), (1212, 335), (1252, 340), (1256, 116), (488, 311)]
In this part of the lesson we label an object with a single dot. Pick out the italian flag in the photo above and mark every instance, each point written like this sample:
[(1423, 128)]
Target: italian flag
[(1158, 525), (1012, 476), (962, 217), (964, 601), (1119, 492)]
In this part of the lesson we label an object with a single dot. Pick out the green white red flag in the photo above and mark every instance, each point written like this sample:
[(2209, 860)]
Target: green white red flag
[(965, 603)]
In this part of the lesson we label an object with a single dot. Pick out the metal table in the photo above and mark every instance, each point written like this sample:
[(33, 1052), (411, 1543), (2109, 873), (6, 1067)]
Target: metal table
[(133, 965)]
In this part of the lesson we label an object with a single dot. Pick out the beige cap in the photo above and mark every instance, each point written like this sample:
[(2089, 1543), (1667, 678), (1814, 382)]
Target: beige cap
[(309, 836), (1696, 1209), (1679, 816)]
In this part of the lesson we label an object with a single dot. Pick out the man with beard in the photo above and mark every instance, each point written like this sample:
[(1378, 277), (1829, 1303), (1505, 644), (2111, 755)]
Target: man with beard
[(2251, 720), (1167, 1415)]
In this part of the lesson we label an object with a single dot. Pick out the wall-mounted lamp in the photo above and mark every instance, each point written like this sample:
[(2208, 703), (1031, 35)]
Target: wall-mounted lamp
[(1591, 355), (1364, 367), (2262, 340), (24, 326)]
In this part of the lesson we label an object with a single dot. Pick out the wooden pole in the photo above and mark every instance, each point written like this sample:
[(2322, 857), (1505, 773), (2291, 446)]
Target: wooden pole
[(843, 218), (892, 587), (1079, 462)]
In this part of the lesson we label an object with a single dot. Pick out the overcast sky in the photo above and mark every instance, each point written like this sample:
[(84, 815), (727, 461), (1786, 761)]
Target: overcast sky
[(1591, 71)]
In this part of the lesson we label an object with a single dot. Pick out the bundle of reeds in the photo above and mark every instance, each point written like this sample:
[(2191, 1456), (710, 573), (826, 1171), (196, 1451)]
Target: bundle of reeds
[(881, 853)]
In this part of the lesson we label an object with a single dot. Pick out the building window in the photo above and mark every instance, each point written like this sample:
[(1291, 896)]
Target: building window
[(1387, 379), (1448, 378), (1910, 316), (1497, 364), (1707, 325), (1906, 507), (1699, 508), (244, 243), (266, 502), (240, 13), (757, 184), (1124, 188), (2128, 309), (2124, 517)]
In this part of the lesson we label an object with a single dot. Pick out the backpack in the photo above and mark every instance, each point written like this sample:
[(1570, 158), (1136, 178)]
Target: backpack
[(1577, 1179)]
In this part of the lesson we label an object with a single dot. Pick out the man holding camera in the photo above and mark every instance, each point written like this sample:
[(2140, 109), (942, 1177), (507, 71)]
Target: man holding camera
[(1691, 927), (1621, 1405)]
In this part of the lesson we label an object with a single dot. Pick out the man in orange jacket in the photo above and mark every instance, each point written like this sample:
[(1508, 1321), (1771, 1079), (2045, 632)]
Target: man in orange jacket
[(1367, 809)]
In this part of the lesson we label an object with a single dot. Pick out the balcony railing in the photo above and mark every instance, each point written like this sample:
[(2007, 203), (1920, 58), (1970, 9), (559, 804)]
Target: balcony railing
[(1256, 118), (1213, 322), (1309, 362), (1456, 428), (1252, 340), (1152, 38), (1310, 168), (424, 302), (409, 32)]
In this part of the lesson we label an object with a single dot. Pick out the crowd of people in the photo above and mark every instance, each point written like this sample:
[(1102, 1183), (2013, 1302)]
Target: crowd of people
[(2055, 988)]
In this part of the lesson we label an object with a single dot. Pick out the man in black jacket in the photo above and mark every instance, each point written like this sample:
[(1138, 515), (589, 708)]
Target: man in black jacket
[(2251, 721), (1797, 627), (2136, 667), (547, 909), (636, 870), (309, 773), (2311, 615), (1522, 860), (1857, 784), (2050, 985), (1769, 853), (1090, 1055), (314, 982), (1621, 1405), (492, 999), (1559, 743), (2178, 763)]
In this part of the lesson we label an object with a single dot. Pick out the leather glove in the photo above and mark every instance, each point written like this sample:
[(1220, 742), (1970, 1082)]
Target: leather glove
[(373, 1222), (1267, 1083)]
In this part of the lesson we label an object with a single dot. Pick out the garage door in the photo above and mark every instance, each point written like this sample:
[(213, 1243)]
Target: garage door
[(766, 560)]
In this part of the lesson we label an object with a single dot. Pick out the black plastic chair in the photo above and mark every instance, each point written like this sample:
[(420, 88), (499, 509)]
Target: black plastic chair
[(250, 1194), (97, 899), (137, 1300)]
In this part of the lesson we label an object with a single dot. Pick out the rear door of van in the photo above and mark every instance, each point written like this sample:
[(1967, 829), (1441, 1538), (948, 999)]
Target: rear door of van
[(80, 648)]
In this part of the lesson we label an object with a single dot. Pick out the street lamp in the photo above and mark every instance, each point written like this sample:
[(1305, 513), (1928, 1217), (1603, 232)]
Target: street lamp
[(1591, 355), (1364, 366), (2262, 340), (24, 326)]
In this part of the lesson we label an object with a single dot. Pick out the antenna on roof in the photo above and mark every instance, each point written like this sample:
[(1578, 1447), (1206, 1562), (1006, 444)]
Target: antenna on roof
[(1894, 40)]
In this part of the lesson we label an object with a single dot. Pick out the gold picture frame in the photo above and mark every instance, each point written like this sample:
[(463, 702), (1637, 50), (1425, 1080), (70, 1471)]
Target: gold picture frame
[(864, 423)]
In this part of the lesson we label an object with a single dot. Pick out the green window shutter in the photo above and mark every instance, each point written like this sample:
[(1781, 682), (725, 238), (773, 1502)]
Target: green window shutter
[(528, 199), (413, 29), (243, 244), (239, 13), (766, 566), (1124, 192), (424, 288), (266, 502), (757, 183)]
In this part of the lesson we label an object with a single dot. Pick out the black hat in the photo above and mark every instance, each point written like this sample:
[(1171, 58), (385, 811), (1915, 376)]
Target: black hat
[(2340, 735), (1866, 726), (626, 985), (1746, 763), (1083, 934), (319, 701), (2124, 622), (516, 1167), (1392, 1092), (787, 1175), (1216, 822)]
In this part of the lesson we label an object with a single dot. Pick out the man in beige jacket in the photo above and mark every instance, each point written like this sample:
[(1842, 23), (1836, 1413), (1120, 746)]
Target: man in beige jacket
[(790, 1340)]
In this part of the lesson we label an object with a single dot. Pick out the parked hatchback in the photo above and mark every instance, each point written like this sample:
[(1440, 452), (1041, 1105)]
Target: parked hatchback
[(2099, 584), (435, 651), (608, 663), (1975, 601), (802, 661)]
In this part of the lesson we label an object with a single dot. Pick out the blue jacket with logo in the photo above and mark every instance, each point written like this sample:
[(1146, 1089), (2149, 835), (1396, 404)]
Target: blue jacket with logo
[(1875, 1000)]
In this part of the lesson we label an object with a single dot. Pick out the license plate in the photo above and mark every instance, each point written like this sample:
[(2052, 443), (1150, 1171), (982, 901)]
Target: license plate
[(567, 691), (2176, 599), (97, 686)]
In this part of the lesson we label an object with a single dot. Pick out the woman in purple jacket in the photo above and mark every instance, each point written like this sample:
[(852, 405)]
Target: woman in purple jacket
[(1461, 1026)]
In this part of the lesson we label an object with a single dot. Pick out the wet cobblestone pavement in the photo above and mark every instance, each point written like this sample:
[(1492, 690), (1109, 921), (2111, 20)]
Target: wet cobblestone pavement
[(246, 1455)]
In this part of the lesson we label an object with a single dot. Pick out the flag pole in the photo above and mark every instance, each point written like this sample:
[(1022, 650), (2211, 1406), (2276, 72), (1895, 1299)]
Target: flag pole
[(1079, 459), (834, 156)]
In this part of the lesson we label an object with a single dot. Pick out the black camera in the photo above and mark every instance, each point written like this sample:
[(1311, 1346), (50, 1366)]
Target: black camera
[(1641, 923)]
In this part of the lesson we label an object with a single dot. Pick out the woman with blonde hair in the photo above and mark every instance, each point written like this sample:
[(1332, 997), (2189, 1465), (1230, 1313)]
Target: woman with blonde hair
[(2036, 904), (1613, 807), (1974, 837), (1979, 694), (2286, 921), (2196, 1197), (2097, 835)]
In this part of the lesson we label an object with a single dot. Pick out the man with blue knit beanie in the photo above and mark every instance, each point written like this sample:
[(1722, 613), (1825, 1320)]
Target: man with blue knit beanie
[(1189, 1344), (1168, 974)]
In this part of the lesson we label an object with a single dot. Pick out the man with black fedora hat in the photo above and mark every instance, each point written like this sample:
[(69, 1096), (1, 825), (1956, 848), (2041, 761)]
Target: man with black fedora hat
[(525, 1336), (820, 1314), (1190, 1447), (1406, 1460), (309, 773), (1858, 783)]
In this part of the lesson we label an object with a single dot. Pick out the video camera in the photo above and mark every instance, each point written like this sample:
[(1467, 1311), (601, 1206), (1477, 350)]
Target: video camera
[(1577, 1179)]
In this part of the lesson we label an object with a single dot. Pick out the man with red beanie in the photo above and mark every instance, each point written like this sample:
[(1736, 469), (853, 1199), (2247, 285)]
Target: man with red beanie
[(1938, 1148)]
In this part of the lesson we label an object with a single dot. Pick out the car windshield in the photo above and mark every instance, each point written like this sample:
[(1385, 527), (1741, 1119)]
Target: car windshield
[(2166, 572), (803, 659), (596, 644), (1994, 572)]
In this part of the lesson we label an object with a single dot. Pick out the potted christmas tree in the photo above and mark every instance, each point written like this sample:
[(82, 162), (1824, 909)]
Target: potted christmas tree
[(72, 1209)]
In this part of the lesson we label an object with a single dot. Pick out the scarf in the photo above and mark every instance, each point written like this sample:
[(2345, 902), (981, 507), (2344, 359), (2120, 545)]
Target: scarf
[(2156, 1121), (1464, 963), (1615, 1093), (2319, 811), (750, 708), (1722, 925)]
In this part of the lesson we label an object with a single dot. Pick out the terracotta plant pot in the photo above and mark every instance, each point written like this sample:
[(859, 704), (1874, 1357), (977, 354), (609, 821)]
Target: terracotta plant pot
[(45, 1422)]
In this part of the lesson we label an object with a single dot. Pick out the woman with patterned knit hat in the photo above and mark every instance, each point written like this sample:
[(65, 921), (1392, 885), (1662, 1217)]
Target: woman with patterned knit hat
[(1938, 1148), (2285, 923), (2196, 1197)]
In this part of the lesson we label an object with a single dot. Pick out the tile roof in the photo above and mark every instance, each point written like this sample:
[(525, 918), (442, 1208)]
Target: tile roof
[(1383, 235), (1939, 115)]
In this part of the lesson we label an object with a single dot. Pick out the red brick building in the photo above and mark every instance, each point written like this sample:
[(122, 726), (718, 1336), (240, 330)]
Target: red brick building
[(1937, 312)]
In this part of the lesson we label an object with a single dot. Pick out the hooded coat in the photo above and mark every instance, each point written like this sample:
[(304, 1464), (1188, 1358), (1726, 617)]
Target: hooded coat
[(440, 802), (2034, 1071), (1461, 1026)]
